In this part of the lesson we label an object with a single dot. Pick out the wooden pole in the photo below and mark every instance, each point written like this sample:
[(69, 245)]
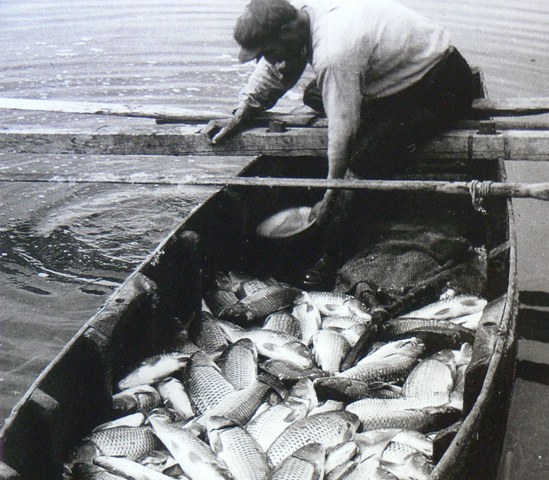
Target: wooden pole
[(539, 191), (482, 107)]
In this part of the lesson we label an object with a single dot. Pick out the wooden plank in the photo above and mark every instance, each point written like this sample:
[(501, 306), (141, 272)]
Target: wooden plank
[(481, 107), (511, 107), (529, 145), (161, 113)]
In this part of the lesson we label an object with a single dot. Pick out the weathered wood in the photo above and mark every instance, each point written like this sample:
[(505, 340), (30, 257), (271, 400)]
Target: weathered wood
[(538, 191), (169, 113), (529, 145), (142, 111), (511, 106)]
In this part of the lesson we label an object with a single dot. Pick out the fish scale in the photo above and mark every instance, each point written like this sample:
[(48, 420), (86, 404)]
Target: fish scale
[(452, 307), (217, 300), (269, 424), (391, 369), (422, 420), (429, 376), (240, 405), (283, 322), (238, 363), (237, 449), (330, 349), (205, 384), (329, 428), (347, 321), (261, 303), (195, 457), (305, 464), (207, 334), (309, 320), (131, 442)]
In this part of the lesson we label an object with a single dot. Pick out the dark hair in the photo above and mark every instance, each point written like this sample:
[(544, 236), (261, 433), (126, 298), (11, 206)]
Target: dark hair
[(261, 21)]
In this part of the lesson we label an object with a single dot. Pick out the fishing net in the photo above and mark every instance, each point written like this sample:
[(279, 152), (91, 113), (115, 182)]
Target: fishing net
[(412, 261)]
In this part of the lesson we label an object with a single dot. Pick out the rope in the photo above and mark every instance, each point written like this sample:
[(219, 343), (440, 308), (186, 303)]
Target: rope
[(479, 191)]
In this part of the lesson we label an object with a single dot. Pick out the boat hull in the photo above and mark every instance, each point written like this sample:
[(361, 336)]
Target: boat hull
[(73, 394)]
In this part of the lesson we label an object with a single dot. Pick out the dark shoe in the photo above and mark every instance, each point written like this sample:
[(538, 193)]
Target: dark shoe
[(321, 276)]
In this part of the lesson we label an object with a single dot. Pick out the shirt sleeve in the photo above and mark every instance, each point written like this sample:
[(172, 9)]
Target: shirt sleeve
[(267, 84), (342, 97)]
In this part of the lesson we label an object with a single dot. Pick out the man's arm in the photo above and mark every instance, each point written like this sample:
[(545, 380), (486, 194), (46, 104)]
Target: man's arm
[(264, 88), (342, 100)]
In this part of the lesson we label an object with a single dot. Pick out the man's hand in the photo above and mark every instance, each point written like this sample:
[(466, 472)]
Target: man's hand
[(322, 211), (217, 130)]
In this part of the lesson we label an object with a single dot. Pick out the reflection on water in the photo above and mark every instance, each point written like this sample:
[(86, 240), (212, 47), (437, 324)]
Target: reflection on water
[(64, 248)]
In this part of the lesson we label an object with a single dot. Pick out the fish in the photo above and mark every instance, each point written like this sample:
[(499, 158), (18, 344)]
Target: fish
[(403, 326), (423, 420), (238, 363), (354, 333), (130, 442), (339, 455), (283, 322), (86, 471), (240, 405), (154, 369), (132, 420), (349, 389), (204, 383), (237, 449), (207, 335), (470, 321), (334, 304), (174, 395), (378, 367), (452, 307), (418, 441), (218, 300), (307, 463), (260, 304), (309, 320), (429, 376), (161, 461), (405, 462), (276, 345), (368, 407), (370, 469), (267, 426), (195, 457), (343, 322), (287, 372), (129, 469), (327, 406), (382, 350), (249, 287), (329, 429), (438, 338), (330, 348)]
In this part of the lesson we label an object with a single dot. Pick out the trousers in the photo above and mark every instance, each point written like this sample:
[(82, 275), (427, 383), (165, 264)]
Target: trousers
[(391, 129)]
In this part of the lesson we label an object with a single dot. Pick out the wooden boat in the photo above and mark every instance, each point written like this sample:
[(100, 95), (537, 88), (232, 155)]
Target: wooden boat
[(73, 393)]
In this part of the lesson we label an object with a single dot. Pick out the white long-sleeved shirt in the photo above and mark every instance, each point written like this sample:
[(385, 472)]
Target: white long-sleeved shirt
[(360, 50)]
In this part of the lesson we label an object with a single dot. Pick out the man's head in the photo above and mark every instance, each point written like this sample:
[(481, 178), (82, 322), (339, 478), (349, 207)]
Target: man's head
[(270, 28)]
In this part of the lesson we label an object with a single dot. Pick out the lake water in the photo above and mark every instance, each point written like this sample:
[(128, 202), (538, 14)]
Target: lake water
[(64, 247)]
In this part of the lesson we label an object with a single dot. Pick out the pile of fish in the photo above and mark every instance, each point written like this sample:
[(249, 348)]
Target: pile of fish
[(260, 387)]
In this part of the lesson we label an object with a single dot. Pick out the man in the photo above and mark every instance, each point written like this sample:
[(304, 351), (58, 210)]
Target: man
[(387, 79)]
